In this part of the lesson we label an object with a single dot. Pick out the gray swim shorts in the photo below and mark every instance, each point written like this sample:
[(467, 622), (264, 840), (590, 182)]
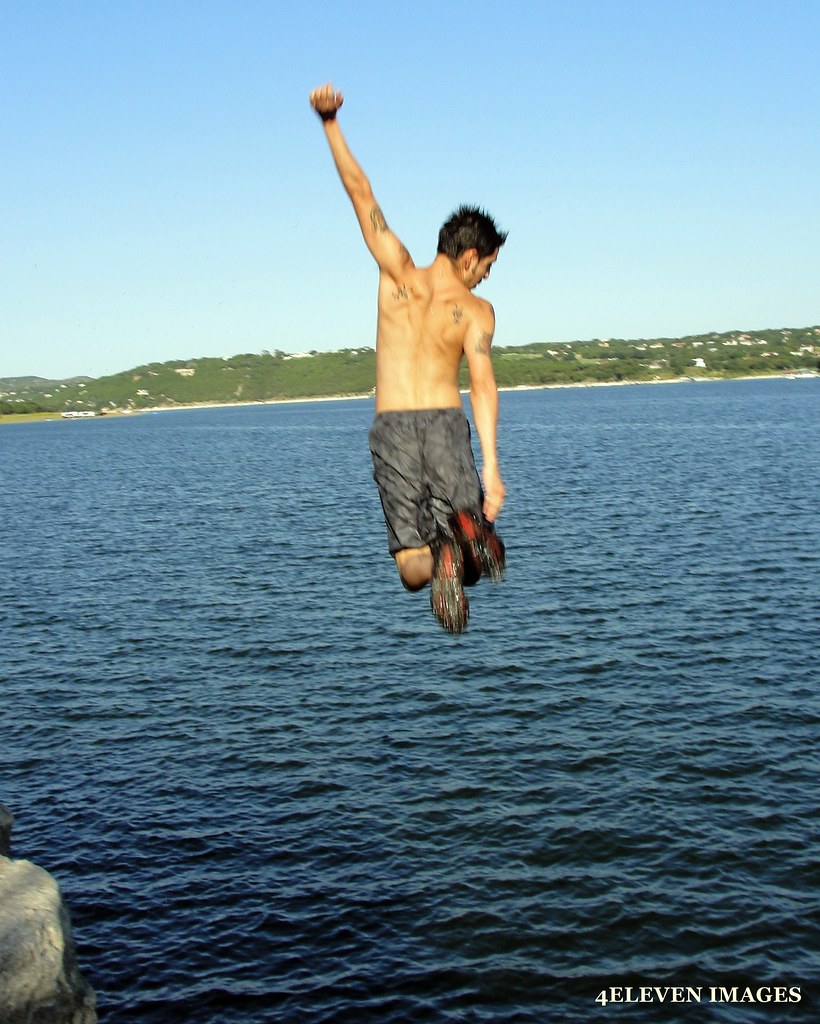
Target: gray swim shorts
[(424, 468)]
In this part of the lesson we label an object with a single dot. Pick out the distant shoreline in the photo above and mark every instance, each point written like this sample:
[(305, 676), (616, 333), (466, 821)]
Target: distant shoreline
[(465, 391), (42, 417)]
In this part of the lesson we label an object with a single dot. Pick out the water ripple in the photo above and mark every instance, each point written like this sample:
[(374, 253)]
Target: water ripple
[(273, 790)]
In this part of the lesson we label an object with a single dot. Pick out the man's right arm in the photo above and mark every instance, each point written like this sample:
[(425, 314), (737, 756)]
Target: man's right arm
[(387, 250), (484, 400)]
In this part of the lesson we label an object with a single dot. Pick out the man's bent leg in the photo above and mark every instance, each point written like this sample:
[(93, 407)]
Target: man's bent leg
[(415, 566)]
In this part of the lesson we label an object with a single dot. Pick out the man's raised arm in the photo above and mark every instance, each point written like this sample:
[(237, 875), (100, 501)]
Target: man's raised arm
[(387, 250)]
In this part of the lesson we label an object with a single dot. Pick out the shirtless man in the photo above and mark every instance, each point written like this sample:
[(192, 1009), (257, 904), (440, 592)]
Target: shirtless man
[(439, 520)]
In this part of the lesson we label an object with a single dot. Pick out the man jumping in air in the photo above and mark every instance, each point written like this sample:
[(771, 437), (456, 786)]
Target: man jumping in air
[(439, 519)]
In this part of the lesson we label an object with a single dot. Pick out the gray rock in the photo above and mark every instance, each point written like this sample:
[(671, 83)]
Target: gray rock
[(40, 982)]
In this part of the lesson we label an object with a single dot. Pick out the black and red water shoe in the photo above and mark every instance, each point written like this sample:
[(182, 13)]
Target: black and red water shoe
[(483, 549), (447, 598)]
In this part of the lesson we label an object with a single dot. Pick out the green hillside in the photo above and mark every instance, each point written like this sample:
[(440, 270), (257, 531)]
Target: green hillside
[(709, 356), (271, 376)]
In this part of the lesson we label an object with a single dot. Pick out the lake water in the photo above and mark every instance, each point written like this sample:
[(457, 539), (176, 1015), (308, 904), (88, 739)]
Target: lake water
[(274, 790)]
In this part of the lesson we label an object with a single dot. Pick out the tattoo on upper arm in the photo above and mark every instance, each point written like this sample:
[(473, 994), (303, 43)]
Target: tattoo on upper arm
[(377, 220), (458, 313), (482, 345)]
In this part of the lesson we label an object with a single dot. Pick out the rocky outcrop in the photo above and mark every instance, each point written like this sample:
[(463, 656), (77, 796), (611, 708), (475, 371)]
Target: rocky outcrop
[(40, 982)]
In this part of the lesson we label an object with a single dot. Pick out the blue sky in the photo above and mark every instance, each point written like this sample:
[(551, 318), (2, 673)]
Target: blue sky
[(167, 192)]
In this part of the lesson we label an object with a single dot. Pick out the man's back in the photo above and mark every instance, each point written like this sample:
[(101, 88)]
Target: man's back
[(424, 319)]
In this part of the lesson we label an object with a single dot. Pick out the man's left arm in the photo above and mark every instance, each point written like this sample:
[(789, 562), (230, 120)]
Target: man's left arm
[(484, 400)]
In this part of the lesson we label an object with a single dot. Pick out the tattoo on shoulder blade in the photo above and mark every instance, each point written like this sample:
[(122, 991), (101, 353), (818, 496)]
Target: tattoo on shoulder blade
[(401, 293), (482, 346), (458, 313), (377, 220)]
